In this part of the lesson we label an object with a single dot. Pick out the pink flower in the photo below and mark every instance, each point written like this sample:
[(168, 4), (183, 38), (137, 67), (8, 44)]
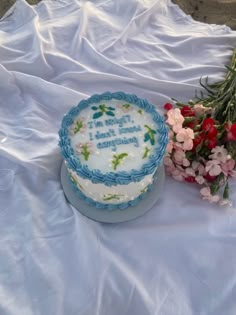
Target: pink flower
[(169, 169), (228, 166), (179, 155), (171, 134), (206, 195), (177, 174), (199, 109), (169, 147), (213, 167), (178, 145), (190, 172), (167, 161), (225, 202), (219, 154), (175, 119), (125, 107), (185, 135), (195, 165), (200, 179), (185, 162)]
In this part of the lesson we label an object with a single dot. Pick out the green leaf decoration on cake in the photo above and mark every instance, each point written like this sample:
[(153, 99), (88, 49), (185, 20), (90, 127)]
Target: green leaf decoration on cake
[(85, 152), (146, 153), (108, 197), (127, 106), (149, 135), (140, 111), (117, 159), (97, 115), (78, 126), (103, 109), (84, 149)]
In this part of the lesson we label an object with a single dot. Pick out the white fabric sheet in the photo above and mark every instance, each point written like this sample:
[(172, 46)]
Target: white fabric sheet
[(179, 258)]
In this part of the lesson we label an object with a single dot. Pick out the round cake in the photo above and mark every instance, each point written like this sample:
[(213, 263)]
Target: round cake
[(112, 145)]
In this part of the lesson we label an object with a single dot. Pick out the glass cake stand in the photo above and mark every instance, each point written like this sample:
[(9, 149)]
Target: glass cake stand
[(117, 215)]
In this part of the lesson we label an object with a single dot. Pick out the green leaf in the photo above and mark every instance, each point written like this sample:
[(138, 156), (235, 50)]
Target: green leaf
[(146, 153), (146, 137), (226, 191), (152, 140), (97, 115), (117, 159), (110, 113), (122, 155), (94, 108), (111, 108), (214, 188), (102, 107)]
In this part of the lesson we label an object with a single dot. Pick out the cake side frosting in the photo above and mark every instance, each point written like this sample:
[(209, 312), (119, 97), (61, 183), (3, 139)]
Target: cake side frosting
[(113, 139), (109, 197)]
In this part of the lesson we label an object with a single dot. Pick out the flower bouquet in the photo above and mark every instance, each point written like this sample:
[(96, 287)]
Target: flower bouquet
[(202, 138)]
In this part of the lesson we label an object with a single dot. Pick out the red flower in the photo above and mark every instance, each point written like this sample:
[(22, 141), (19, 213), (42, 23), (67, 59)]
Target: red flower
[(198, 140), (212, 132), (168, 106), (187, 111), (207, 123), (231, 135), (233, 130), (190, 179), (212, 143), (209, 177)]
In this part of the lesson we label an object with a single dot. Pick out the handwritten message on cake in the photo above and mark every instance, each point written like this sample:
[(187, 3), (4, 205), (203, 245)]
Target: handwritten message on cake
[(119, 131)]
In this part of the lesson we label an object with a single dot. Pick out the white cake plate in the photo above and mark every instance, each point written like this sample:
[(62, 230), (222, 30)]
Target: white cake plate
[(117, 215)]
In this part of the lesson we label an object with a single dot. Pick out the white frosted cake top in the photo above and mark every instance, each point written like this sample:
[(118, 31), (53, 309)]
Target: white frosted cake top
[(113, 138)]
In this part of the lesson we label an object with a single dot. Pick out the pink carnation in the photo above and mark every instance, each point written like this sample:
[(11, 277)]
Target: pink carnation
[(219, 153), (178, 174), (185, 135), (167, 161), (199, 109), (225, 202), (170, 146), (175, 119), (206, 195), (200, 179), (213, 167), (228, 166), (179, 155)]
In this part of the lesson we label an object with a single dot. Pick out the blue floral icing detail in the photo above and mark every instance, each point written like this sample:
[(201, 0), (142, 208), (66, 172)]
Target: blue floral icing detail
[(110, 207), (111, 178)]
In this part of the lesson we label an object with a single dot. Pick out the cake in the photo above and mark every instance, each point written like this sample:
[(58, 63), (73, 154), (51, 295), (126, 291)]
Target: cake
[(112, 145)]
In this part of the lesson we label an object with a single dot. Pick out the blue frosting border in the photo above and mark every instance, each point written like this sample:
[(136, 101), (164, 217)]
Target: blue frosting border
[(112, 178), (106, 206)]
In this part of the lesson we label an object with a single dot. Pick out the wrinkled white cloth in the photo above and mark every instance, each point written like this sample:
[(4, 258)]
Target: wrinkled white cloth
[(177, 259)]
